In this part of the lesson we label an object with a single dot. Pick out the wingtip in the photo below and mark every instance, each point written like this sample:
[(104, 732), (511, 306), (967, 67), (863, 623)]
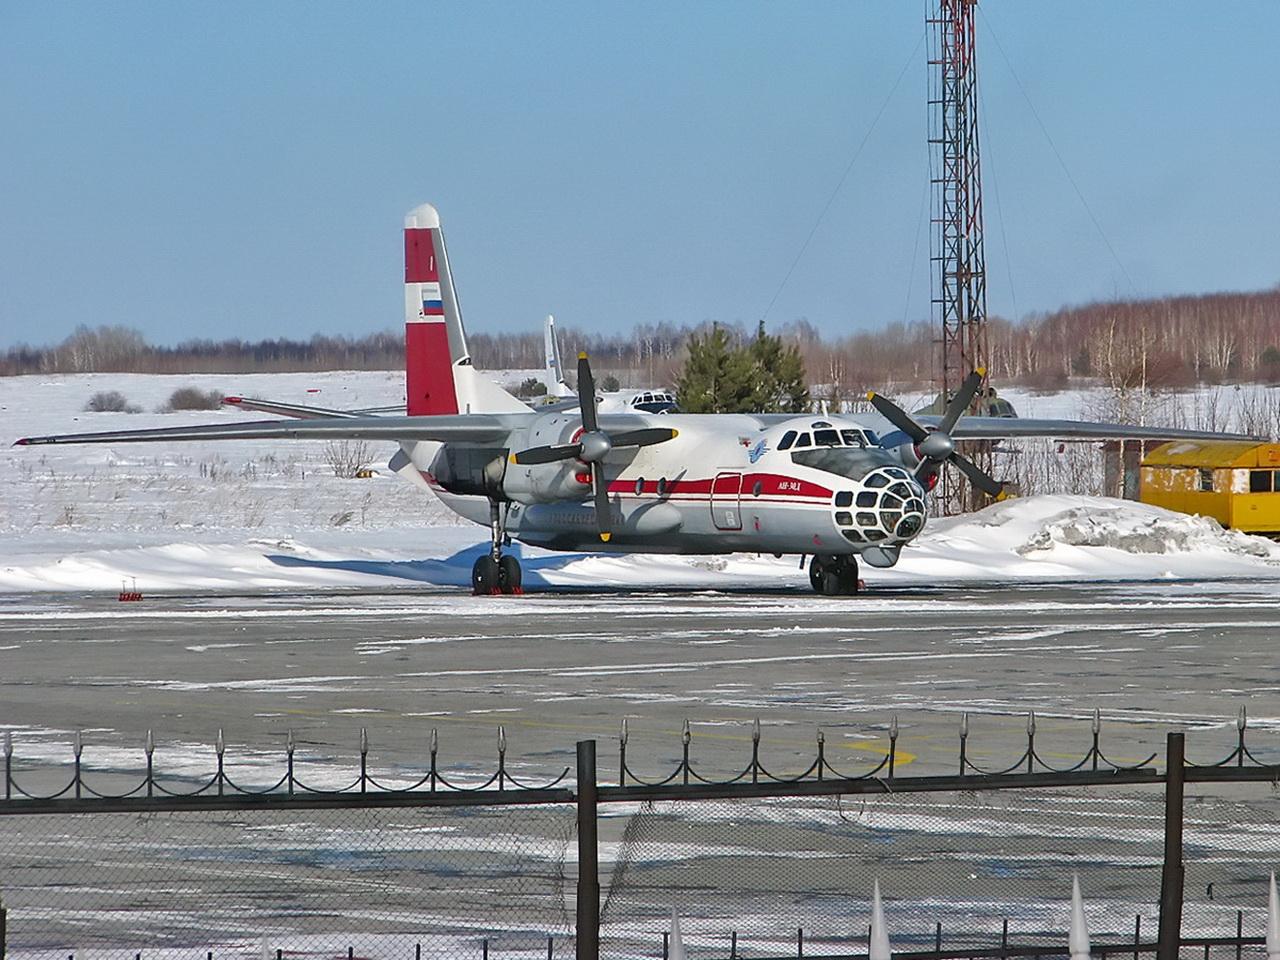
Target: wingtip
[(231, 401), (23, 442)]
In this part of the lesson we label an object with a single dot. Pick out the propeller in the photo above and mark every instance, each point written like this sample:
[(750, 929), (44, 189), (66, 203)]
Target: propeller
[(936, 446), (593, 445)]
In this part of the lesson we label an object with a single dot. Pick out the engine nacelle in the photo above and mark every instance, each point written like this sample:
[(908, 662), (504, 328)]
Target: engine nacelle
[(547, 482), (907, 454)]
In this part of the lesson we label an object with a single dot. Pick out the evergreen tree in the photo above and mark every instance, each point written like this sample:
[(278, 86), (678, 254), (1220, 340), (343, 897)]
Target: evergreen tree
[(717, 376), (721, 376), (778, 374)]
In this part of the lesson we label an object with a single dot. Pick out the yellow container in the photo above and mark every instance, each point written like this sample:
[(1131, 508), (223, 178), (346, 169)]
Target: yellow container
[(1236, 483)]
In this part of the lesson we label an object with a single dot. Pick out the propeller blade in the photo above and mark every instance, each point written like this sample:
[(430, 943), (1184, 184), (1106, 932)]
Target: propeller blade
[(566, 451), (604, 516), (987, 484), (897, 416), (960, 402), (587, 395), (643, 438)]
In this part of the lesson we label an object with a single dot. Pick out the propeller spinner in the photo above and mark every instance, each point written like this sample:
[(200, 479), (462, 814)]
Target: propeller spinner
[(593, 445), (936, 446)]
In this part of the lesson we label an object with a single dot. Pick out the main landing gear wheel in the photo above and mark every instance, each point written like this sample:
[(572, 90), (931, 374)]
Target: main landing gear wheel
[(484, 576), (496, 572), (834, 576), (509, 575)]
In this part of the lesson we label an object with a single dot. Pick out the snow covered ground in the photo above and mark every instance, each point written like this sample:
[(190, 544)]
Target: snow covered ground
[(272, 515)]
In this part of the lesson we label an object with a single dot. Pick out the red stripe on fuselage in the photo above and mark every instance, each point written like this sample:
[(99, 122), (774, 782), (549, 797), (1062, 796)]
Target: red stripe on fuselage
[(420, 257), (428, 370), (771, 484)]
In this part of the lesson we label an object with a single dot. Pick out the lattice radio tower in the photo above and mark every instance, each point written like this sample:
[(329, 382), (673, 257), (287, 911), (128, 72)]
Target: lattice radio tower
[(959, 275)]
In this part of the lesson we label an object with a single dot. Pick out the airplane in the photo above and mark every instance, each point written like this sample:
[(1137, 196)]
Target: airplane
[(835, 488), (616, 401), (553, 373)]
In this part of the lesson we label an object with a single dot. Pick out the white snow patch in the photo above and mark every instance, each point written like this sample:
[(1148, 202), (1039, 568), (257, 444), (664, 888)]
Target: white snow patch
[(267, 515)]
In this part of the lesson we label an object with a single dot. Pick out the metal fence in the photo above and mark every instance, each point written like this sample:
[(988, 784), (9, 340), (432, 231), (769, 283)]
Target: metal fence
[(756, 864)]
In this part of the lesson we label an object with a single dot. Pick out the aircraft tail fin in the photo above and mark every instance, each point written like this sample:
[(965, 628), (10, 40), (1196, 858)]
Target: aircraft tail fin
[(553, 372), (439, 377)]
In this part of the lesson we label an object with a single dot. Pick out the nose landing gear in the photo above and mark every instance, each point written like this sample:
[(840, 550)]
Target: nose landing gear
[(495, 572), (834, 576)]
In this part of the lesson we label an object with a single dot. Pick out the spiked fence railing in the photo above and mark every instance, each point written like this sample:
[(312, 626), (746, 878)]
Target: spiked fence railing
[(435, 786)]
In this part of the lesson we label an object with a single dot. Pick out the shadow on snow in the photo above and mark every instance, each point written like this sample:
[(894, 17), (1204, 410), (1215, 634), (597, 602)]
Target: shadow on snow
[(451, 571)]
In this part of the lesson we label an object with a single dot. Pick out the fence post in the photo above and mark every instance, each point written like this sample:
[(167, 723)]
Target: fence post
[(1171, 877), (588, 913)]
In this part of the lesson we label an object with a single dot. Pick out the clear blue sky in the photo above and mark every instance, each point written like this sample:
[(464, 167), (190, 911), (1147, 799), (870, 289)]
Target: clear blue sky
[(241, 170)]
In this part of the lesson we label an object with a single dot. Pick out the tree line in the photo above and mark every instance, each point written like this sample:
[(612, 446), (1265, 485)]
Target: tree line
[(1167, 343)]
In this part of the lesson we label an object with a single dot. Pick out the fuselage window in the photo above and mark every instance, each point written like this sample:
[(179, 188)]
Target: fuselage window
[(826, 438), (639, 485), (662, 487), (757, 488), (787, 440)]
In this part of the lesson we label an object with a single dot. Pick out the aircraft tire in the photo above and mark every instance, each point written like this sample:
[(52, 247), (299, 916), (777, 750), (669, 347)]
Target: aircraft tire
[(484, 576), (509, 575), (831, 582), (848, 575), (817, 570)]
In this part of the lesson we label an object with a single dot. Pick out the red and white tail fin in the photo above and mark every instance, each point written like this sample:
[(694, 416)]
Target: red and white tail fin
[(439, 378), (429, 387)]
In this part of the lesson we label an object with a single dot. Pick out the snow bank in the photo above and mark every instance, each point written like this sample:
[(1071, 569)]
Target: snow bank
[(1040, 538), (272, 515), (1083, 538)]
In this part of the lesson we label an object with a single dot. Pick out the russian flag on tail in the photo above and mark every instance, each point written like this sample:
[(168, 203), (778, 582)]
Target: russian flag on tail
[(432, 305)]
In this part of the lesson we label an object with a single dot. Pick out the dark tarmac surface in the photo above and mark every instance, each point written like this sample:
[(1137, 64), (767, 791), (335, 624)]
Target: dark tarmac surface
[(555, 668)]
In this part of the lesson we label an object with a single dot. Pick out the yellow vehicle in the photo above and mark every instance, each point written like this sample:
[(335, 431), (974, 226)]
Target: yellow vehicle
[(1238, 484)]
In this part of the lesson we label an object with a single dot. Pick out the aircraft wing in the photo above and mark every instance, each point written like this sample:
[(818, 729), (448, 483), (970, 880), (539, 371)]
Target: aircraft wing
[(289, 409), (1000, 428), (466, 428)]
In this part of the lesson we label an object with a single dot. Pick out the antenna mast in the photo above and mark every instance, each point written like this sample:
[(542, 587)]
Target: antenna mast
[(959, 275)]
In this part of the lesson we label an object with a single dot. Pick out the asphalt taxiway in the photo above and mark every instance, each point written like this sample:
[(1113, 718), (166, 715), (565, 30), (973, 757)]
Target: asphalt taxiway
[(554, 668)]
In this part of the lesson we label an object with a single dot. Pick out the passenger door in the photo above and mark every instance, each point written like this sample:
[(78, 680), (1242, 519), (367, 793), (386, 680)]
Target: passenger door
[(725, 490)]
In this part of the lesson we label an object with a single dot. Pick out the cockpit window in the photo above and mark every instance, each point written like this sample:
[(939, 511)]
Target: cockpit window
[(826, 438), (853, 438), (802, 441), (872, 438), (787, 440)]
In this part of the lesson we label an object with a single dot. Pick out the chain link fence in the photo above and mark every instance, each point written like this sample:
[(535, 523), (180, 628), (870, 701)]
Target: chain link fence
[(401, 882), (486, 876), (777, 877)]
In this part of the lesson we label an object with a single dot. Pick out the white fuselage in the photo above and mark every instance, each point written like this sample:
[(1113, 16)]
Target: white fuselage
[(722, 485)]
